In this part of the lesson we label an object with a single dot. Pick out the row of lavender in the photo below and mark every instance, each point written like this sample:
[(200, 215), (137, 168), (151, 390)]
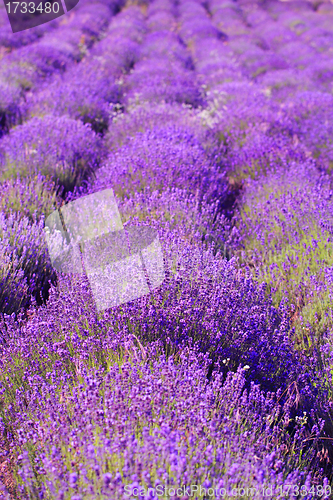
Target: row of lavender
[(62, 144), (179, 109)]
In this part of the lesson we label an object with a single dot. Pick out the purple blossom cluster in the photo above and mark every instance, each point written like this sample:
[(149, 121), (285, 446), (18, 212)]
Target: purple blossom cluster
[(211, 123), (63, 148), (155, 424), (169, 156), (88, 91), (42, 54), (25, 264), (163, 72)]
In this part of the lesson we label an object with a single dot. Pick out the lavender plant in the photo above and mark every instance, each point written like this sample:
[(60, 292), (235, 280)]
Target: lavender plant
[(79, 98), (60, 147), (139, 425), (168, 82), (29, 197), (10, 113), (164, 155), (25, 265), (57, 367), (141, 117)]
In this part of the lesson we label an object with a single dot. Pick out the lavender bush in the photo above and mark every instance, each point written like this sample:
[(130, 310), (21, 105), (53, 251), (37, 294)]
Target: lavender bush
[(67, 347), (10, 113), (34, 197), (171, 155), (79, 98), (25, 265), (142, 117), (61, 147), (147, 409), (168, 82)]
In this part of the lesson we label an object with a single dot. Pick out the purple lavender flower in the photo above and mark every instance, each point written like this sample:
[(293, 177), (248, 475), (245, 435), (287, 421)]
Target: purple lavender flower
[(63, 148), (169, 407), (168, 82), (29, 197), (10, 113), (169, 156), (25, 265)]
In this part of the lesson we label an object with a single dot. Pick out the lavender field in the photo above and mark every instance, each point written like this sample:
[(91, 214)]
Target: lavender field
[(212, 122)]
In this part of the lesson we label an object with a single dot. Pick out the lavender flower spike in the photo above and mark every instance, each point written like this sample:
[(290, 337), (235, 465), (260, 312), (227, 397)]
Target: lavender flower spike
[(88, 236)]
